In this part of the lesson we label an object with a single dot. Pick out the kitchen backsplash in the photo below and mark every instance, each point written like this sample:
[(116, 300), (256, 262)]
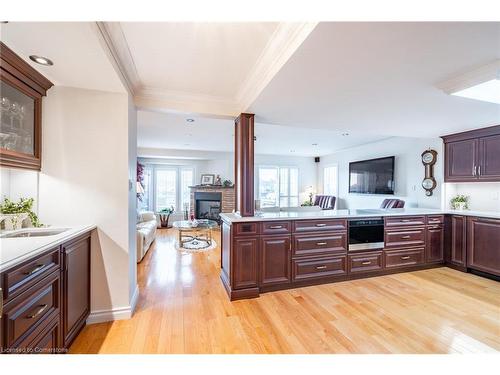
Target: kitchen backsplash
[(17, 183), (483, 196)]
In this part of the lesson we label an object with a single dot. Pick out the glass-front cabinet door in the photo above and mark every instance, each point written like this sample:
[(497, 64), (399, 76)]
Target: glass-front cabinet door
[(17, 120), (21, 91)]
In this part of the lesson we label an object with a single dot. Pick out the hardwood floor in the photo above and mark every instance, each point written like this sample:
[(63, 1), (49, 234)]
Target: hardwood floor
[(183, 308)]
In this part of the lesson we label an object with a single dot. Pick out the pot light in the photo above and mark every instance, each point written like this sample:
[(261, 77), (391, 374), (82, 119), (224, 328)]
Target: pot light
[(41, 60), (345, 134), (190, 119), (314, 144), (481, 84)]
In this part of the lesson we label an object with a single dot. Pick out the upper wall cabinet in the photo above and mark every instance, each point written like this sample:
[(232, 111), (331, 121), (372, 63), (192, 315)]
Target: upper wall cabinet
[(21, 92), (473, 155)]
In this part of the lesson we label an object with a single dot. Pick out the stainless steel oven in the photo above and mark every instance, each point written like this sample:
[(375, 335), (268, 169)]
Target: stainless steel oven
[(366, 234)]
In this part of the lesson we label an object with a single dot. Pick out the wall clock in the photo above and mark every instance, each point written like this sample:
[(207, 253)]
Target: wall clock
[(429, 158)]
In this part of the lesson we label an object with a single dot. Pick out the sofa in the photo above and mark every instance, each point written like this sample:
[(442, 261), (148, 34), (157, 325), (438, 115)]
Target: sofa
[(325, 202), (146, 232)]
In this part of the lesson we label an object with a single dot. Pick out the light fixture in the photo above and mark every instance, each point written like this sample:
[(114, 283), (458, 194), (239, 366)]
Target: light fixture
[(41, 60), (190, 119), (345, 134), (292, 150), (314, 144), (481, 84)]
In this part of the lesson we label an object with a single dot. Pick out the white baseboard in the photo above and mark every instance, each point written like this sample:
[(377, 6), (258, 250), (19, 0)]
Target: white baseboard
[(119, 313)]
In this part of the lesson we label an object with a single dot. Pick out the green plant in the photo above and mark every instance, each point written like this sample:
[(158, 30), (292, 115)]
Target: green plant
[(167, 210), (458, 200), (24, 205), (227, 183)]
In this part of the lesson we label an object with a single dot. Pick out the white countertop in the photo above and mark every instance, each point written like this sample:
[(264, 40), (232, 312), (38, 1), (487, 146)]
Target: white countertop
[(15, 250), (350, 214)]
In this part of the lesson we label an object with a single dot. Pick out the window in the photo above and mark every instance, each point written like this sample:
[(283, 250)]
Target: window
[(167, 186), (278, 186), (330, 180)]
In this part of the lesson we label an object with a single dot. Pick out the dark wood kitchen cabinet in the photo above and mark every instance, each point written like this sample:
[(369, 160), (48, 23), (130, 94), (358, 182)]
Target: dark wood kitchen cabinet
[(483, 245), (275, 261), (458, 249), (434, 249), (22, 89), (46, 299), (245, 263), (76, 287), (472, 155)]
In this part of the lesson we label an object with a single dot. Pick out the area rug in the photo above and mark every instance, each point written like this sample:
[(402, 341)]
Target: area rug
[(195, 246)]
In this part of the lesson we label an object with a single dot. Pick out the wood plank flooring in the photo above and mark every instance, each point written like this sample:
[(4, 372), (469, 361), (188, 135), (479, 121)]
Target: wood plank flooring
[(183, 308)]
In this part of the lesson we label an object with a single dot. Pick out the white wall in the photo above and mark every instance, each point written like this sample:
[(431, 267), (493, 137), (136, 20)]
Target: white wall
[(86, 166), (409, 172), (483, 196), (19, 183)]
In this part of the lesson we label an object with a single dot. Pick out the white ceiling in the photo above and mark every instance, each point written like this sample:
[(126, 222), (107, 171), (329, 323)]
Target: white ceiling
[(172, 131), (382, 78), (196, 58), (74, 47)]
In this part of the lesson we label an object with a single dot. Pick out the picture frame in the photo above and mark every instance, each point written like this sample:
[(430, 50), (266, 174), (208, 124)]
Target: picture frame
[(207, 179)]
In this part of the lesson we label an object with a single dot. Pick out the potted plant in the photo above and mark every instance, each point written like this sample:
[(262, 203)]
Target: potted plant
[(165, 216), (460, 202), (14, 213)]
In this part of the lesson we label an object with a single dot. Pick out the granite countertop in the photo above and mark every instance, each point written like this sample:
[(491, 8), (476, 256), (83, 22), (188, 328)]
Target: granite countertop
[(16, 250), (350, 214)]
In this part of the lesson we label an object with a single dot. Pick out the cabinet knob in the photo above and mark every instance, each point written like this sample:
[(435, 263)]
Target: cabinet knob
[(405, 237), (321, 243), (366, 263), (405, 257), (321, 225), (37, 312), (320, 267), (276, 227)]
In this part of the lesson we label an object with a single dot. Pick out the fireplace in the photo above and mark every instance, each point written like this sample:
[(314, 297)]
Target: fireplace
[(208, 205)]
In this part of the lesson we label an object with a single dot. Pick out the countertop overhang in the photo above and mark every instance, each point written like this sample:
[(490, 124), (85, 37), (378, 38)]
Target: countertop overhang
[(230, 218), (16, 250)]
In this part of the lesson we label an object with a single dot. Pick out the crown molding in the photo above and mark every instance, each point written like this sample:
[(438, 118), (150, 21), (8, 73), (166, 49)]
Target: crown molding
[(117, 47), (471, 78), (281, 46)]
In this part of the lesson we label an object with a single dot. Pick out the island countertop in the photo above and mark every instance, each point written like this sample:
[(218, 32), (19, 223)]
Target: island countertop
[(350, 214), (16, 250)]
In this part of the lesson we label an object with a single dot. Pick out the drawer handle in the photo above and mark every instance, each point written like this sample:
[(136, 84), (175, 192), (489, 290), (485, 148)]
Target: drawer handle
[(321, 243), (405, 237), (320, 267), (405, 220), (35, 270), (405, 257), (38, 312), (366, 263), (321, 225), (276, 227)]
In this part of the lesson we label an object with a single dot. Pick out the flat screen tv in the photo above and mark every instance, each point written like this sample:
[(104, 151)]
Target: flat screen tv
[(375, 176)]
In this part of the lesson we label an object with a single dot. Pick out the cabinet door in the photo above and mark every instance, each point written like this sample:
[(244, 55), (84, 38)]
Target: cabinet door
[(434, 249), (461, 160), (275, 260), (76, 288), (489, 149), (483, 245), (458, 236), (245, 267)]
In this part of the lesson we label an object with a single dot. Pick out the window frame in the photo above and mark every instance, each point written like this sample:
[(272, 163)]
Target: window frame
[(336, 182), (279, 196)]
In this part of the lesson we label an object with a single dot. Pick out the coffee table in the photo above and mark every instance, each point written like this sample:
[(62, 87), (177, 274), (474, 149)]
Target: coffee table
[(199, 231)]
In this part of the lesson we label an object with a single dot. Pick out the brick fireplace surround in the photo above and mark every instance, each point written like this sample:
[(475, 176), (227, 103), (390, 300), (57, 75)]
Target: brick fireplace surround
[(228, 197)]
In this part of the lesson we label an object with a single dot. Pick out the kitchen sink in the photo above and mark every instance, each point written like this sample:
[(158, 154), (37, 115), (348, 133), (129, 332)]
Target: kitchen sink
[(34, 233)]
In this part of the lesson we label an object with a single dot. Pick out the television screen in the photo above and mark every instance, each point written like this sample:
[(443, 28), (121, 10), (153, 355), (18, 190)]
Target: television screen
[(375, 176)]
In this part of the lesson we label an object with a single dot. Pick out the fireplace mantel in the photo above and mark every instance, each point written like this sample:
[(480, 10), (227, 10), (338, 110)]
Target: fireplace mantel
[(210, 187)]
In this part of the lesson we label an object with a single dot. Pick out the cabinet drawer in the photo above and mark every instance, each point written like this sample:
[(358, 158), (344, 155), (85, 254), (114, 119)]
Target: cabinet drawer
[(309, 268), (319, 225), (366, 262), (404, 221), (243, 229), (404, 238), (401, 258), (276, 227), (435, 219), (42, 341), (323, 243), (21, 277), (31, 310)]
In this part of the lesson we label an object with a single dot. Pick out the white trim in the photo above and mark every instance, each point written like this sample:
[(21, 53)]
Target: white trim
[(118, 313), (471, 78)]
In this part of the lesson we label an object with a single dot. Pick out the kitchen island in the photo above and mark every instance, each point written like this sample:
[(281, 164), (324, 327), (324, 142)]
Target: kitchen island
[(281, 250)]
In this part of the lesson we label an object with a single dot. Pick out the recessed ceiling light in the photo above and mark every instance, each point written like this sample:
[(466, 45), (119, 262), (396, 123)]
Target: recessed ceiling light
[(345, 134), (314, 144), (41, 60), (292, 150), (187, 144), (190, 119)]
